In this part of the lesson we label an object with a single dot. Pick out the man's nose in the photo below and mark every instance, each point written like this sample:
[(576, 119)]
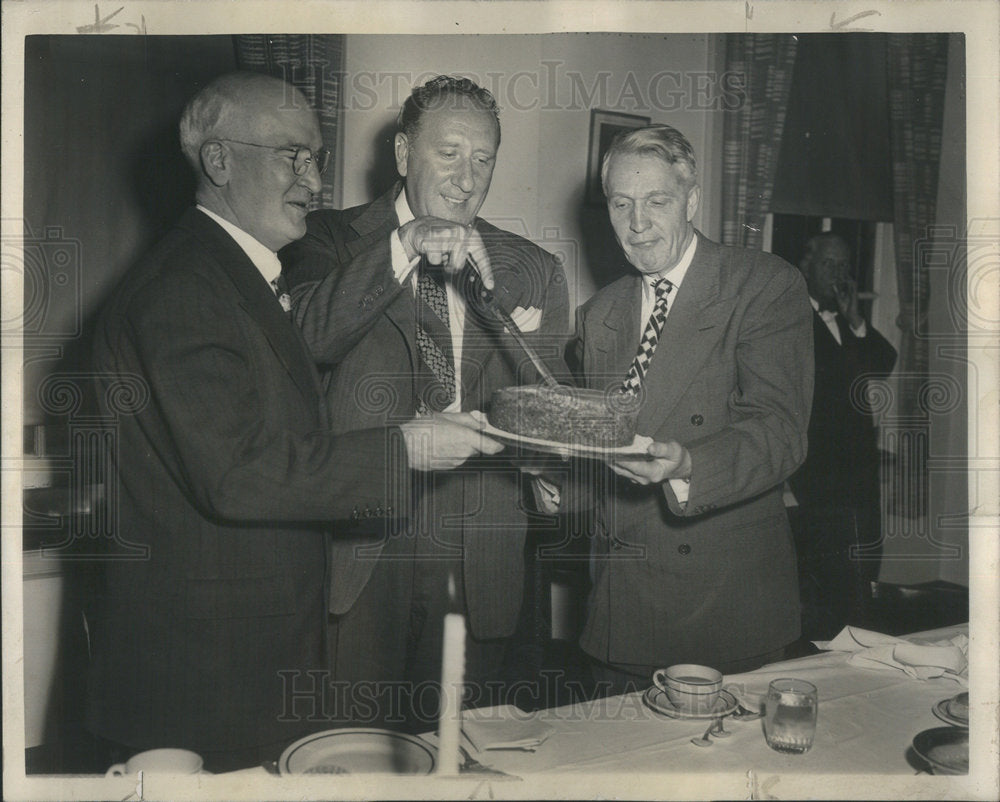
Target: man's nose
[(311, 179), (463, 177), (639, 221)]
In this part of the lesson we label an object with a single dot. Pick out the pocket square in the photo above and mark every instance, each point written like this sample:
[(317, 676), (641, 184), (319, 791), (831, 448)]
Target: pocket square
[(527, 319)]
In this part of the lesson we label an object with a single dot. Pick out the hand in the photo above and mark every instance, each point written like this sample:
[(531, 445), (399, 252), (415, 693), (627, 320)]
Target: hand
[(442, 441), (846, 292), (672, 461), (445, 243)]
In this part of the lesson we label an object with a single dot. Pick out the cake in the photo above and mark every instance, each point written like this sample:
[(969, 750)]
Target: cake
[(570, 415)]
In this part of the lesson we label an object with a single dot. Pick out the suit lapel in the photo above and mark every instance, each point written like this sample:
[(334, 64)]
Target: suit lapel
[(696, 320), (374, 227), (258, 300)]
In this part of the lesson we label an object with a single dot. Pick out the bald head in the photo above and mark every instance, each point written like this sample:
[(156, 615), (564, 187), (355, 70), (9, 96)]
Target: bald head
[(234, 105)]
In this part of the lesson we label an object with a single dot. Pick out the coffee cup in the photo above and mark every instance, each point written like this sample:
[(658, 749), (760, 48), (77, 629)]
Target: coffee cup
[(691, 688), (158, 761)]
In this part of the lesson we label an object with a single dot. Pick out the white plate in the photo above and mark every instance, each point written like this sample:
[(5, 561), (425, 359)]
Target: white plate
[(358, 751), (943, 711), (658, 701), (636, 450)]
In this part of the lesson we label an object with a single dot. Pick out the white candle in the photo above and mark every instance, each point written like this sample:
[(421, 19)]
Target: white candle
[(452, 677)]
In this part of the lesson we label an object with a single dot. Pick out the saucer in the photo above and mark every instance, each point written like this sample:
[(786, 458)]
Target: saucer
[(946, 711), (657, 700), (358, 751)]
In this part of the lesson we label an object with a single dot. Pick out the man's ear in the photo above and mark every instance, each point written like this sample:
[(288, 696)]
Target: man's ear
[(216, 162), (401, 147), (693, 202)]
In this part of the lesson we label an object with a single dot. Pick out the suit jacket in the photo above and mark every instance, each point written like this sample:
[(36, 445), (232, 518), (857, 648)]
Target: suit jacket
[(227, 475), (843, 462), (731, 379), (360, 326)]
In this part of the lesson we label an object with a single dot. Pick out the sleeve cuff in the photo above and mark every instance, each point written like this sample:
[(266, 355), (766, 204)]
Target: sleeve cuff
[(547, 495), (860, 331), (401, 266)]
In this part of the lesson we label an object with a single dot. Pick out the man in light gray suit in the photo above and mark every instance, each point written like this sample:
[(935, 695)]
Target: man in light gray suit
[(697, 562)]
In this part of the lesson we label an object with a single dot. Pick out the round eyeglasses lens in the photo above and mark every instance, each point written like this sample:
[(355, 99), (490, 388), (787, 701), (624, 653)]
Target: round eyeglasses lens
[(304, 157)]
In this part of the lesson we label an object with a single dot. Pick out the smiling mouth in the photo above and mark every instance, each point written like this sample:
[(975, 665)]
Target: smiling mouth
[(454, 201)]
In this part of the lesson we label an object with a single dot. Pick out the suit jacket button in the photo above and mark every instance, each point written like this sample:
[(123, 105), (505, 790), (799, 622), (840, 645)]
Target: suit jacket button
[(697, 420), (379, 290), (684, 548)]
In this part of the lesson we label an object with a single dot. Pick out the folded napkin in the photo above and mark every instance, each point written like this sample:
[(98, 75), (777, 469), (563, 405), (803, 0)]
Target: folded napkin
[(504, 727), (920, 659)]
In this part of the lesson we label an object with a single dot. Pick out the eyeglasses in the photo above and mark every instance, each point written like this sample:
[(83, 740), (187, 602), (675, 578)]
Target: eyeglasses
[(302, 158)]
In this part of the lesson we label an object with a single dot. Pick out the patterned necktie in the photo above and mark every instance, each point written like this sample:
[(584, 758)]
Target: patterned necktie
[(434, 344), (650, 336)]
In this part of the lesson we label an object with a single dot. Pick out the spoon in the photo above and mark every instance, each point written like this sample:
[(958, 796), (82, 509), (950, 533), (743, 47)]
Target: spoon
[(706, 739)]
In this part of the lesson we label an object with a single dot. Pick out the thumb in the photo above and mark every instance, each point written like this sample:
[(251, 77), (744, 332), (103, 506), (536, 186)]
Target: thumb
[(670, 450)]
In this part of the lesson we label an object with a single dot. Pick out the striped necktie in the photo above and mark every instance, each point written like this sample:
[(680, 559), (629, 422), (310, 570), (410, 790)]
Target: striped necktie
[(434, 344), (650, 336), (281, 293)]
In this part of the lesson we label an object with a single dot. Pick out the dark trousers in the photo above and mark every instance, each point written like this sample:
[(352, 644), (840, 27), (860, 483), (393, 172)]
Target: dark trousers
[(385, 652), (839, 551)]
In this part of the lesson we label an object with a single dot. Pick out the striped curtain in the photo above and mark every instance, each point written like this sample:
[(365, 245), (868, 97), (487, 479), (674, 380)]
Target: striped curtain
[(752, 132), (917, 68), (315, 65)]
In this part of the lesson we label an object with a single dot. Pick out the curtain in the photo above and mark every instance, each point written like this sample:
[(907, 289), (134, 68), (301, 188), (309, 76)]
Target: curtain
[(752, 132), (917, 67), (315, 65)]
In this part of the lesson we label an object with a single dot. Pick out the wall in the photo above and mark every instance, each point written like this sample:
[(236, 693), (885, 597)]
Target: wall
[(546, 86)]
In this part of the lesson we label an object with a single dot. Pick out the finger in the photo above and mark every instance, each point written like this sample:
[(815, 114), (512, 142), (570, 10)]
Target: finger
[(488, 445), (480, 259), (471, 420)]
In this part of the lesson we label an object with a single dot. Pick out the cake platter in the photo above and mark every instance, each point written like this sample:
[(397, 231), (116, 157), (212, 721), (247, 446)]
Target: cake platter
[(637, 449)]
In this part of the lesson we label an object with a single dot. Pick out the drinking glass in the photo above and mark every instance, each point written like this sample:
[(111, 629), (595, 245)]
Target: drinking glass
[(790, 715)]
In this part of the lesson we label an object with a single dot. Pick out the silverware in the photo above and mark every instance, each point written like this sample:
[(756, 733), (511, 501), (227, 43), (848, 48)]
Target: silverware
[(490, 301), (472, 766), (706, 739)]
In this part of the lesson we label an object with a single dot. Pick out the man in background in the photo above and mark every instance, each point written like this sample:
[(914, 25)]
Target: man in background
[(838, 522), (697, 563), (225, 469), (380, 294)]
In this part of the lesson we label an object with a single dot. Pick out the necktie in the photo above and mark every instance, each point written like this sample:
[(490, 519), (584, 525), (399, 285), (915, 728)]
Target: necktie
[(650, 336), (434, 344), (281, 292)]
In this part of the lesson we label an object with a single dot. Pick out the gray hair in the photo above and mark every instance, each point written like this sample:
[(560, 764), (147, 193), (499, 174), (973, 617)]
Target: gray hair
[(662, 141), (219, 105)]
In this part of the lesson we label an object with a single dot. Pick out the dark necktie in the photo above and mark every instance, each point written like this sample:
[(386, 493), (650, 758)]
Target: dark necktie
[(650, 336), (434, 343), (281, 293)]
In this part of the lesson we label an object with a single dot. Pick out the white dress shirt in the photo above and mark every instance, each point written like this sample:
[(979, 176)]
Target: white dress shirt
[(263, 258)]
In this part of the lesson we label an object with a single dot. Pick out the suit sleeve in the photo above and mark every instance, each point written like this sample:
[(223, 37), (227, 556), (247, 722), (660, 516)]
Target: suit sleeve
[(237, 459), (337, 297), (875, 353), (765, 440)]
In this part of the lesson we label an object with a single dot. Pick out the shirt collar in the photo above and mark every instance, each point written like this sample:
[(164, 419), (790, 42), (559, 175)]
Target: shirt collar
[(677, 272), (403, 211), (825, 314), (263, 258)]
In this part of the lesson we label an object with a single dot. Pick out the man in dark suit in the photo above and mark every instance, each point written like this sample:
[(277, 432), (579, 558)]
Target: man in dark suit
[(696, 563), (378, 294), (838, 521), (226, 470)]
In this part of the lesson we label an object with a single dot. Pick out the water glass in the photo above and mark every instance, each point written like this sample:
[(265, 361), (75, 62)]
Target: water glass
[(790, 715)]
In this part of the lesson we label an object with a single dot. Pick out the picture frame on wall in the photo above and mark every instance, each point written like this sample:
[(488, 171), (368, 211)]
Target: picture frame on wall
[(604, 125)]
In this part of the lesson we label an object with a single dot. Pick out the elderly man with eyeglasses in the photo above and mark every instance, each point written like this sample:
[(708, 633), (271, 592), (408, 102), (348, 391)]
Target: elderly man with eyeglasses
[(227, 474)]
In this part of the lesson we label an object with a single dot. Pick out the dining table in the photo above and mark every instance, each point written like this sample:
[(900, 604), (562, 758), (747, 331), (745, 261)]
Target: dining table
[(622, 747)]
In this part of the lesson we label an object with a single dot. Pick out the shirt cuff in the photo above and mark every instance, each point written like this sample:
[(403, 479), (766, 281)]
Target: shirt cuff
[(401, 266), (681, 488), (547, 495), (860, 331)]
